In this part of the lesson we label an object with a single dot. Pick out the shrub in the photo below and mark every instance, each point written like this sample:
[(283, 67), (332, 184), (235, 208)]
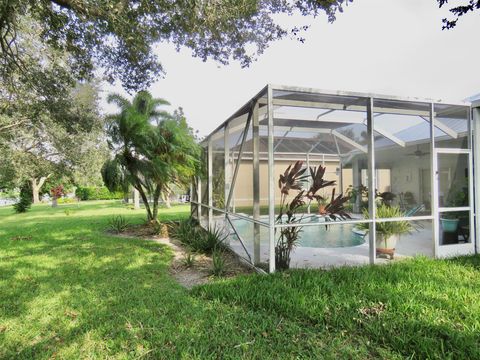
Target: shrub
[(209, 240), (218, 263), (97, 193), (118, 223), (25, 200), (183, 231), (196, 238), (188, 259), (66, 200)]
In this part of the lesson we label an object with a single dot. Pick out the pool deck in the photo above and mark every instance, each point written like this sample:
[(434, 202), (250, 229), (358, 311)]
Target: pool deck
[(417, 243)]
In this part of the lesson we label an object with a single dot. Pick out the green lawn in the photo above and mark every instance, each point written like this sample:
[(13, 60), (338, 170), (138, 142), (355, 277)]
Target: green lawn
[(68, 290)]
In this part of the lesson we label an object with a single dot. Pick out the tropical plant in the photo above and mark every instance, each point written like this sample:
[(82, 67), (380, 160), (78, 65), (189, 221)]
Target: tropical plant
[(218, 263), (196, 238), (118, 224), (152, 149), (387, 228), (209, 240), (188, 259), (183, 231), (294, 178)]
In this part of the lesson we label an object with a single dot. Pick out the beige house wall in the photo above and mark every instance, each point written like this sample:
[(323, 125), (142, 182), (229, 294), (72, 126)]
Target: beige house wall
[(243, 192)]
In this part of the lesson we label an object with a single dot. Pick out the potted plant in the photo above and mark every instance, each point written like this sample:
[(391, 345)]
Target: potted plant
[(387, 232), (450, 220)]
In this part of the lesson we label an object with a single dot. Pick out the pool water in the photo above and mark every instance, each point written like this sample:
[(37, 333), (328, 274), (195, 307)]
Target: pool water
[(334, 236)]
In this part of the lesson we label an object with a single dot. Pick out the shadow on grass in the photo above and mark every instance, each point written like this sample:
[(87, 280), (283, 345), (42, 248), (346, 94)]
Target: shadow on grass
[(117, 299)]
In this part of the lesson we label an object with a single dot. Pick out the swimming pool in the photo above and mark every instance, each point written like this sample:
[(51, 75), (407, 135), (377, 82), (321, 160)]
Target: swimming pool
[(335, 236)]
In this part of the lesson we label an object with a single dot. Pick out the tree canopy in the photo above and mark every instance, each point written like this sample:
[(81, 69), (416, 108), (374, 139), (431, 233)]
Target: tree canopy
[(152, 149), (119, 35), (67, 141), (458, 10)]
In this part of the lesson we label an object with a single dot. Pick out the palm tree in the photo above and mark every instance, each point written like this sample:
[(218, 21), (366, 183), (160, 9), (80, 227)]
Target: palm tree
[(152, 149)]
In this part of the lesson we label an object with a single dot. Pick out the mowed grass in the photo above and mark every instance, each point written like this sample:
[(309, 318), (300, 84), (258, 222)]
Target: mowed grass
[(69, 290)]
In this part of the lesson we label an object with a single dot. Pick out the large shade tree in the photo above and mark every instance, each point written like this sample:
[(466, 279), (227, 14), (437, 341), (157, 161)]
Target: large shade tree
[(152, 149), (55, 140), (119, 35)]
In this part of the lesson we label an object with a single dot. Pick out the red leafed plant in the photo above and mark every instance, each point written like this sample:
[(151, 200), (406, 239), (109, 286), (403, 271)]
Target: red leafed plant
[(293, 179), (57, 191)]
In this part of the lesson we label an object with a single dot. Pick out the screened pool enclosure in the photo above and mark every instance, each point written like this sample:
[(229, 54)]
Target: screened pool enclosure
[(379, 153)]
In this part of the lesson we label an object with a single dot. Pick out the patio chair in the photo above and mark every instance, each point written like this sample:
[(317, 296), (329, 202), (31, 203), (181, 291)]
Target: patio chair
[(414, 211)]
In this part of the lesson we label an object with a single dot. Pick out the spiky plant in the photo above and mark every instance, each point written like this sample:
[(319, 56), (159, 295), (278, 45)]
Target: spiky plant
[(388, 228), (293, 179)]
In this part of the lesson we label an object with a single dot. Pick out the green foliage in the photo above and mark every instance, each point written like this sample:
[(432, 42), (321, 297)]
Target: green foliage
[(218, 263), (152, 149), (189, 259), (25, 200), (197, 239), (97, 193), (120, 35), (291, 212), (66, 200), (388, 228), (118, 224)]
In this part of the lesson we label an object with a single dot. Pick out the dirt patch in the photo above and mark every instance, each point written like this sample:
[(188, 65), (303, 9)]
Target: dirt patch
[(200, 272)]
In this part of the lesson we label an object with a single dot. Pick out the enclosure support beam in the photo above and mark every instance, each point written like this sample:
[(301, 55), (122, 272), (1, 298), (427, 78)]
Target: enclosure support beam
[(256, 185), (237, 166), (350, 141), (471, 187), (238, 237), (446, 129), (371, 183), (210, 190), (476, 168), (434, 184), (199, 198), (228, 168), (271, 183), (308, 185)]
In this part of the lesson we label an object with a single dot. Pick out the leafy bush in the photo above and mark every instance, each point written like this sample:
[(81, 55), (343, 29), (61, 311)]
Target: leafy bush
[(209, 240), (118, 223), (66, 200), (25, 200), (196, 238), (218, 263), (97, 193)]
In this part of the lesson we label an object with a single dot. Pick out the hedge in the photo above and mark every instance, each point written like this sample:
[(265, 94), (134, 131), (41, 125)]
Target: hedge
[(97, 193)]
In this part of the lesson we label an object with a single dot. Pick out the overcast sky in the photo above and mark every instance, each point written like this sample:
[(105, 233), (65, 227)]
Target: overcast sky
[(391, 47)]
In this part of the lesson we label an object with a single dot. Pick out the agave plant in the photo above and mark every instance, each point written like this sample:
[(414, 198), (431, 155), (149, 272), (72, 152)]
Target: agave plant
[(293, 179)]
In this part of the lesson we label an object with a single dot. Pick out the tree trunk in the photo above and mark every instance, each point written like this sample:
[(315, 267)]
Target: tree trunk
[(54, 202), (144, 197), (156, 197), (36, 186), (136, 199), (166, 198)]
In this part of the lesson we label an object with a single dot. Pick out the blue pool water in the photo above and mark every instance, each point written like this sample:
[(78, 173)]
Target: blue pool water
[(334, 236)]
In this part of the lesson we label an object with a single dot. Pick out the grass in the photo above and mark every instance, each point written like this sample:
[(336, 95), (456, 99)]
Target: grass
[(68, 289)]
